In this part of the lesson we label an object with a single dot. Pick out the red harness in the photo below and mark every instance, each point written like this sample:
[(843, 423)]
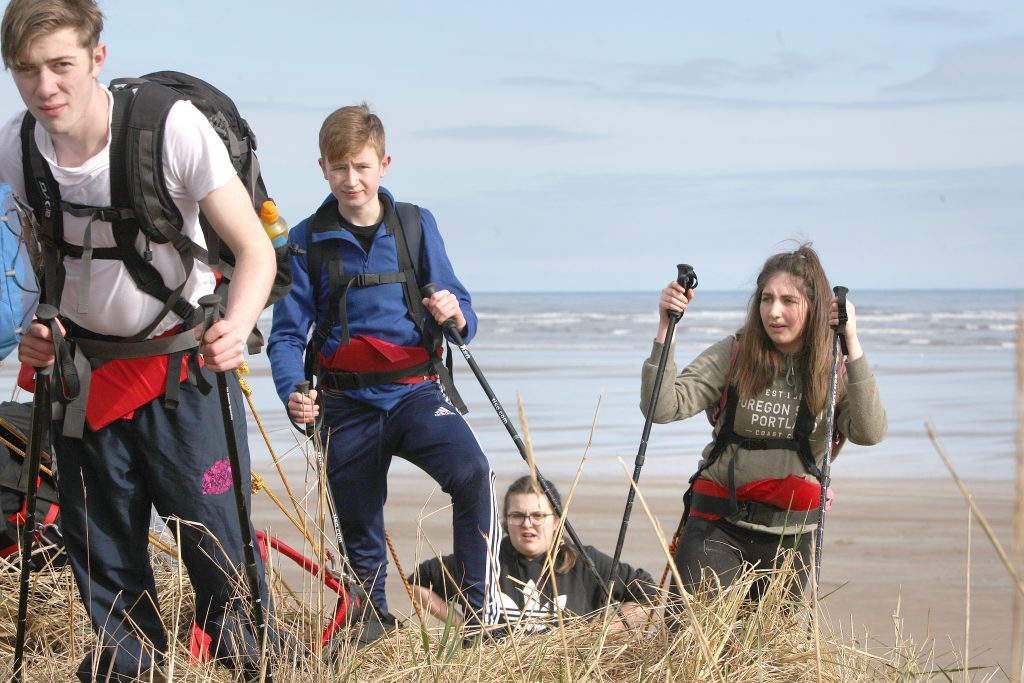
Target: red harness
[(792, 493), (364, 354), (119, 387)]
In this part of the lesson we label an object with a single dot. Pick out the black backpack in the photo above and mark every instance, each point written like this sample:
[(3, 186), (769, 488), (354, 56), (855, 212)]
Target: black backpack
[(14, 422), (139, 198)]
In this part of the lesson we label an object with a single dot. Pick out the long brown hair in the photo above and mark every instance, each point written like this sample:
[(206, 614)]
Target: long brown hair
[(565, 557), (759, 361)]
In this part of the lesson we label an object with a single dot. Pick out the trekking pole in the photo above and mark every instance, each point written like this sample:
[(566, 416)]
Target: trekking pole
[(211, 307), (310, 429), (449, 325), (38, 426), (838, 345), (345, 600), (687, 279)]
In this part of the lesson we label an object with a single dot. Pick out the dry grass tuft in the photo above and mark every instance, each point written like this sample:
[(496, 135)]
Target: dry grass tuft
[(772, 640)]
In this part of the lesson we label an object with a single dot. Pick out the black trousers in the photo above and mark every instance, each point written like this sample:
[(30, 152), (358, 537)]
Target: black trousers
[(725, 549), (108, 481)]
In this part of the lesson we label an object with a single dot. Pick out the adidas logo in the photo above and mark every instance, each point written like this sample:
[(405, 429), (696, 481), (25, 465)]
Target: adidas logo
[(442, 411)]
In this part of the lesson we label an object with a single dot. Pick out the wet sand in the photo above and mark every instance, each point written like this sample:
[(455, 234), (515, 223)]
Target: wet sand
[(892, 547)]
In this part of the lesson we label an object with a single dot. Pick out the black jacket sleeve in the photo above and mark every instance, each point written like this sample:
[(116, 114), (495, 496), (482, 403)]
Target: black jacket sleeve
[(632, 585), (438, 577)]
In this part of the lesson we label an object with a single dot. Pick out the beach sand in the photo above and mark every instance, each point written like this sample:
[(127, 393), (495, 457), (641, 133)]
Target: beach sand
[(890, 546)]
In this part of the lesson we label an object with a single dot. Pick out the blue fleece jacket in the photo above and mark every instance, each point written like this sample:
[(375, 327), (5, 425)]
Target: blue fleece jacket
[(379, 311)]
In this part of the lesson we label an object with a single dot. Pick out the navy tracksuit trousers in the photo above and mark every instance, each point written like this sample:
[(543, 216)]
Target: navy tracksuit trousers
[(175, 460), (426, 430)]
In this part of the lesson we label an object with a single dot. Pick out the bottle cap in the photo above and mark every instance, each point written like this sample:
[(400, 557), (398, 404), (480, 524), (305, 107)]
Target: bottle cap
[(268, 212)]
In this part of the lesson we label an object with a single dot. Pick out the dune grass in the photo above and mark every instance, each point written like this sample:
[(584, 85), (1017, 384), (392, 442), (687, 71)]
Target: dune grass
[(775, 639)]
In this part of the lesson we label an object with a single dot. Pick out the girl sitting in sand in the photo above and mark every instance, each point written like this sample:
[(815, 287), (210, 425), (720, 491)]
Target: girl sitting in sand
[(756, 490), (538, 578)]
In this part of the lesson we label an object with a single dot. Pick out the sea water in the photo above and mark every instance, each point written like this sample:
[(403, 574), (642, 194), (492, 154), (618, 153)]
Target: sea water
[(574, 359)]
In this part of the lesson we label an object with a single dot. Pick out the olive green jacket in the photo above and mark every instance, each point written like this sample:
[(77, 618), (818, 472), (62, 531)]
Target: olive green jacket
[(860, 414)]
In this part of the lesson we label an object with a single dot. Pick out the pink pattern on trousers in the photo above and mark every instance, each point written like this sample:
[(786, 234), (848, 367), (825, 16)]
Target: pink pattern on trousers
[(217, 479)]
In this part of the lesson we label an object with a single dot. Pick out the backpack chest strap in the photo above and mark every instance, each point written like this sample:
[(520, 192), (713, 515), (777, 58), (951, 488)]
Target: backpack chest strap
[(339, 285)]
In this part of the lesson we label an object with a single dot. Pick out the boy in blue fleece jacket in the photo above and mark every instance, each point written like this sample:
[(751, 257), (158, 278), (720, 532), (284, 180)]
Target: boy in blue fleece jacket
[(375, 351)]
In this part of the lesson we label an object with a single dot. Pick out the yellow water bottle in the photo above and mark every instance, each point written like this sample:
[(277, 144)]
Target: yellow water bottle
[(273, 224)]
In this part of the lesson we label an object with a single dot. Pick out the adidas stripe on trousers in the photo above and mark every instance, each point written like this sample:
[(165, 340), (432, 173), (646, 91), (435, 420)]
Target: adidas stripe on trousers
[(424, 429)]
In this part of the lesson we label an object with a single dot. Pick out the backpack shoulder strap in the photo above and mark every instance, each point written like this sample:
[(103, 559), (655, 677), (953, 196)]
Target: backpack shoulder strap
[(137, 182), (728, 381), (43, 194), (137, 155), (323, 220), (409, 244)]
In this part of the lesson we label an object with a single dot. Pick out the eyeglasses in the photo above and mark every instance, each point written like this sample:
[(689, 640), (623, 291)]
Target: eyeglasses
[(536, 518)]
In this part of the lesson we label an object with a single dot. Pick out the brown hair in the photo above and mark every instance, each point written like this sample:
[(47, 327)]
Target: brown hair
[(759, 361), (347, 130), (565, 558), (27, 20)]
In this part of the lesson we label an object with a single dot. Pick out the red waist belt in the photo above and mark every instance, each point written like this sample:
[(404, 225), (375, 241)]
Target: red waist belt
[(365, 355), (120, 386), (768, 502)]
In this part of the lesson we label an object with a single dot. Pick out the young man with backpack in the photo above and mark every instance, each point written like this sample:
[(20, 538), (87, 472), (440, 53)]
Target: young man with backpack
[(375, 351), (148, 434)]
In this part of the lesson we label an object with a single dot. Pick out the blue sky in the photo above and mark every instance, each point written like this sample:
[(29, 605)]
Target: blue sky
[(593, 145)]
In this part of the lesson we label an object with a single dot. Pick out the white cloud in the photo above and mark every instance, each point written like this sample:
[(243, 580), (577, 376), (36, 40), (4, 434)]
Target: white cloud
[(716, 72), (991, 69), (935, 16)]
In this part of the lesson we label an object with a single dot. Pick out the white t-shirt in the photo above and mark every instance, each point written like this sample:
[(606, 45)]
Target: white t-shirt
[(195, 164)]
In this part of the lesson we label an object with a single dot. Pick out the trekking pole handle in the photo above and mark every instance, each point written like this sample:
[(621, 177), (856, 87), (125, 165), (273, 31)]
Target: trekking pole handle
[(303, 388), (428, 291), (211, 309), (46, 315), (687, 279), (840, 329), (841, 293)]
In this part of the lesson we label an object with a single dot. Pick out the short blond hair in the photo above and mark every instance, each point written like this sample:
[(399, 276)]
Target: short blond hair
[(27, 20), (348, 130)]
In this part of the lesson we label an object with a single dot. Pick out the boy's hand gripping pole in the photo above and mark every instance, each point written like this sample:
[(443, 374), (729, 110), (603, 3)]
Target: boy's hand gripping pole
[(39, 425), (211, 310), (838, 351), (687, 279), (450, 327)]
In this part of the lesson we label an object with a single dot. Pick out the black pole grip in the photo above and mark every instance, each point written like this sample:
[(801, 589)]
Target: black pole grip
[(303, 388), (211, 309), (45, 313), (840, 329), (685, 276), (841, 293), (68, 383), (428, 291), (687, 279)]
